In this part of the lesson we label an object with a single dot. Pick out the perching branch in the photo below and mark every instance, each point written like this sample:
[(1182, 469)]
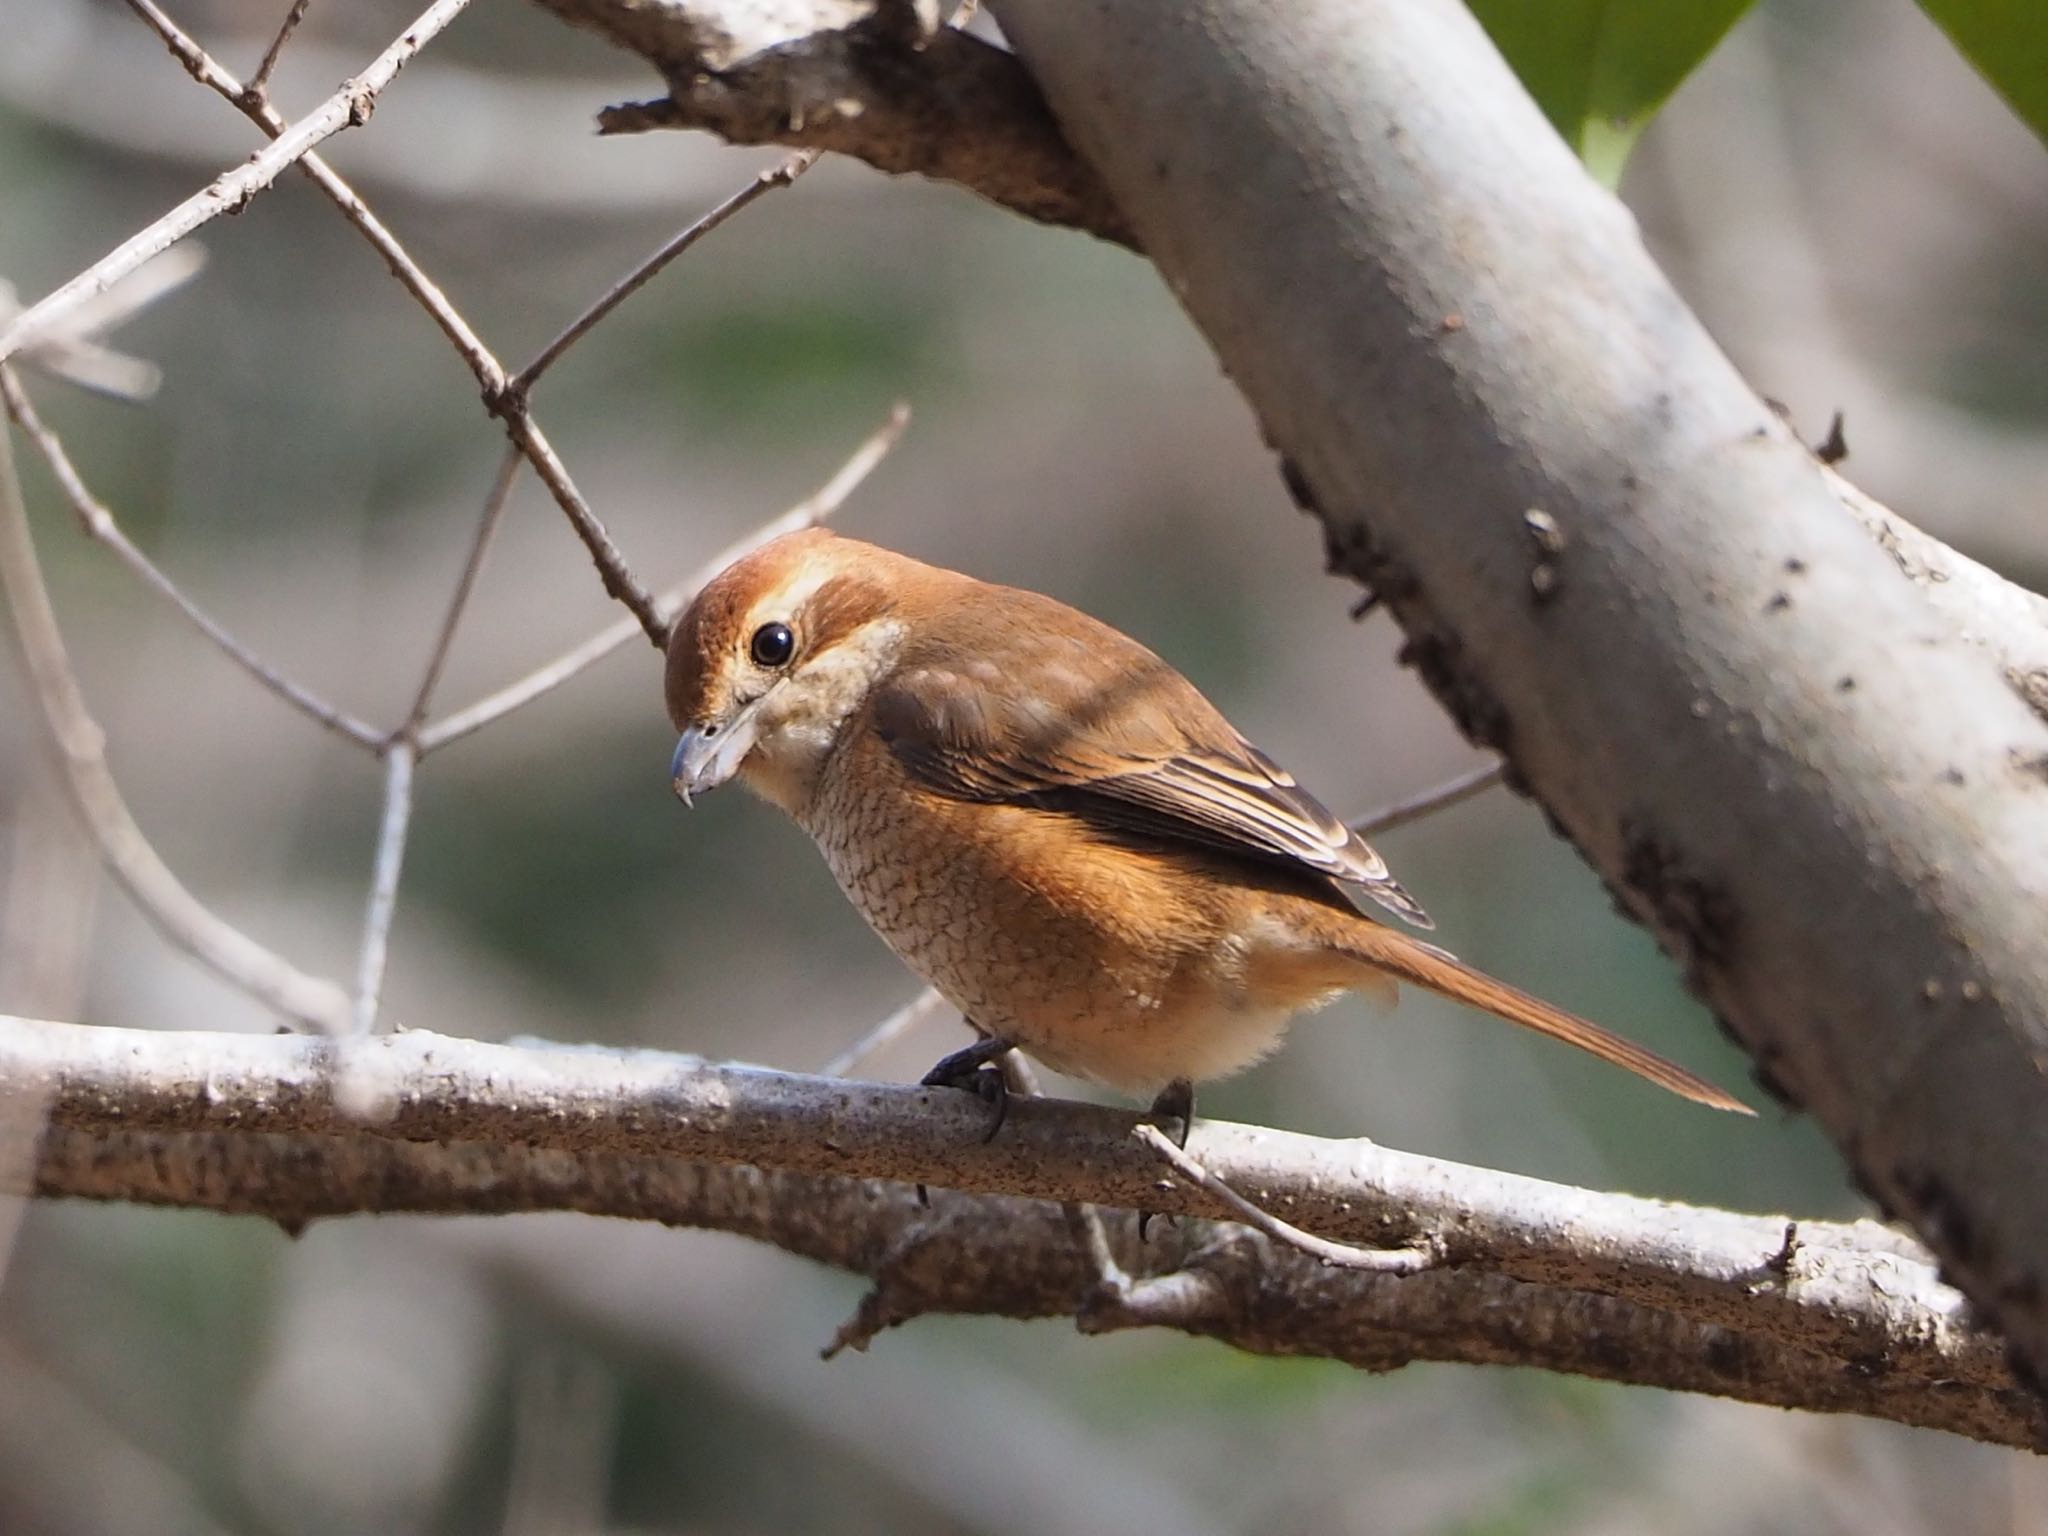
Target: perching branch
[(1847, 1317)]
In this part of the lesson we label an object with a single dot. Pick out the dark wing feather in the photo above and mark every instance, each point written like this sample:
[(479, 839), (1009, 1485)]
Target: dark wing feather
[(1083, 718)]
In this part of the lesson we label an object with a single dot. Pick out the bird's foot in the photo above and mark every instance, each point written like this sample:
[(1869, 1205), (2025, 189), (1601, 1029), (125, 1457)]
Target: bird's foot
[(1176, 1103), (974, 1068), (1173, 1111)]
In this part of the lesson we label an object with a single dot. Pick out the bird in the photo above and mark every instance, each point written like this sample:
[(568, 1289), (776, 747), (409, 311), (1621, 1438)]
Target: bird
[(1052, 826)]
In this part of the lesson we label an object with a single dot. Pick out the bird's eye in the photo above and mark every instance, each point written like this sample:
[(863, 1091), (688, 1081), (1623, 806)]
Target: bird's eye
[(772, 645)]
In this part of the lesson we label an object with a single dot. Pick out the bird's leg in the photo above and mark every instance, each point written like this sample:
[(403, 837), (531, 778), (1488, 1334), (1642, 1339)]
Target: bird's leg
[(971, 1068), (1176, 1101)]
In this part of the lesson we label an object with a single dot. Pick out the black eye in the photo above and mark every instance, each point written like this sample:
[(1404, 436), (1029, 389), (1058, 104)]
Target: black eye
[(772, 645)]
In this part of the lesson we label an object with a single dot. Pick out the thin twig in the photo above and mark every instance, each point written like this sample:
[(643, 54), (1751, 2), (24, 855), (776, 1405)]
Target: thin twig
[(1415, 807), (465, 584), (75, 354), (778, 176), (99, 523), (81, 751), (1389, 1261), (231, 190), (401, 755), (399, 759), (489, 373), (815, 508), (920, 1010), (259, 82)]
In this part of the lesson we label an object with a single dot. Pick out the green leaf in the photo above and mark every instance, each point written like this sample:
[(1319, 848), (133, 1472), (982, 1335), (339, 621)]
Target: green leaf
[(1601, 68), (2008, 42)]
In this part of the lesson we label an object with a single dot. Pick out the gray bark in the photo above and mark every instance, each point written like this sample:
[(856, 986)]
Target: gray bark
[(1829, 805), (1831, 1316)]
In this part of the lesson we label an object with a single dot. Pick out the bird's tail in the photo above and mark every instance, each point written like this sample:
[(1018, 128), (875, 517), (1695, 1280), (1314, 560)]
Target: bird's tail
[(1424, 965)]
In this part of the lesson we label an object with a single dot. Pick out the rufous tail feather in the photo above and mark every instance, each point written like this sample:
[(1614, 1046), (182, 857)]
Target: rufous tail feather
[(1424, 965)]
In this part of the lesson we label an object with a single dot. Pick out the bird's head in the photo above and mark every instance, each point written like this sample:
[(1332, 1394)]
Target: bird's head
[(774, 656)]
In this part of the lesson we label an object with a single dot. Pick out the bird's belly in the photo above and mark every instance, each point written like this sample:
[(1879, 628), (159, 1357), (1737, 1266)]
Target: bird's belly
[(1100, 965)]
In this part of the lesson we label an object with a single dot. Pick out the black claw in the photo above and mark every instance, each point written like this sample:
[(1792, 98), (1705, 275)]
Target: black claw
[(971, 1068), (1176, 1101)]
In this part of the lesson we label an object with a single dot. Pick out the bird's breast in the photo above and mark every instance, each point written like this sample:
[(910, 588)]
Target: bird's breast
[(1128, 966)]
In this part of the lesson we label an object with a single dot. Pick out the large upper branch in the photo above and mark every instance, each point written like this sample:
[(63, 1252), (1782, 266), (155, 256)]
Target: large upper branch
[(868, 78), (1825, 791), (1847, 1317), (1827, 801)]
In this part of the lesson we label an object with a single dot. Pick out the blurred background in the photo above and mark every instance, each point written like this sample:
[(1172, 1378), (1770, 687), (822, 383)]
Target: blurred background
[(1854, 214)]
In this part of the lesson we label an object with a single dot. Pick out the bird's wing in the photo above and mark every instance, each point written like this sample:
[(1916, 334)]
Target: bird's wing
[(1081, 718)]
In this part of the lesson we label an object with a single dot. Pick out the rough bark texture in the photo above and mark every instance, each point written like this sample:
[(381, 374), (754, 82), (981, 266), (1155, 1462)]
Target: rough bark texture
[(1826, 802), (877, 81), (1833, 1316)]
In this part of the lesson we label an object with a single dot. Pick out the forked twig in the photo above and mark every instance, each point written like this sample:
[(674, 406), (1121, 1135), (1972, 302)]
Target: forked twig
[(81, 750), (776, 176), (231, 190), (73, 307), (99, 523), (490, 375), (259, 82), (400, 752), (815, 508), (74, 351), (1388, 1261)]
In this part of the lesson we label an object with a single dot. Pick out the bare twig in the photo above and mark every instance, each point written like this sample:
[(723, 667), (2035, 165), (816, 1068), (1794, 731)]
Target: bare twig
[(768, 181), (1609, 1285), (73, 353), (99, 523), (920, 1010), (399, 759), (490, 375), (815, 508), (479, 546), (401, 753), (259, 83), (1415, 807), (81, 752), (1383, 1261), (231, 190), (619, 581)]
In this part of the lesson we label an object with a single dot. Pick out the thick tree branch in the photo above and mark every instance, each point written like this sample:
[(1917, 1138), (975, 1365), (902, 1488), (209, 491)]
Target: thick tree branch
[(1784, 758), (1846, 1316), (866, 78)]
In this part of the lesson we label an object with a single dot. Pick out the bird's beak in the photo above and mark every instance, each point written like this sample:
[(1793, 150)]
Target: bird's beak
[(708, 755)]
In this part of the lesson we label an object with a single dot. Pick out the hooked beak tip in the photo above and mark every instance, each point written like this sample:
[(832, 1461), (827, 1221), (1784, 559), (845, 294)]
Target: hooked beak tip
[(678, 772)]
